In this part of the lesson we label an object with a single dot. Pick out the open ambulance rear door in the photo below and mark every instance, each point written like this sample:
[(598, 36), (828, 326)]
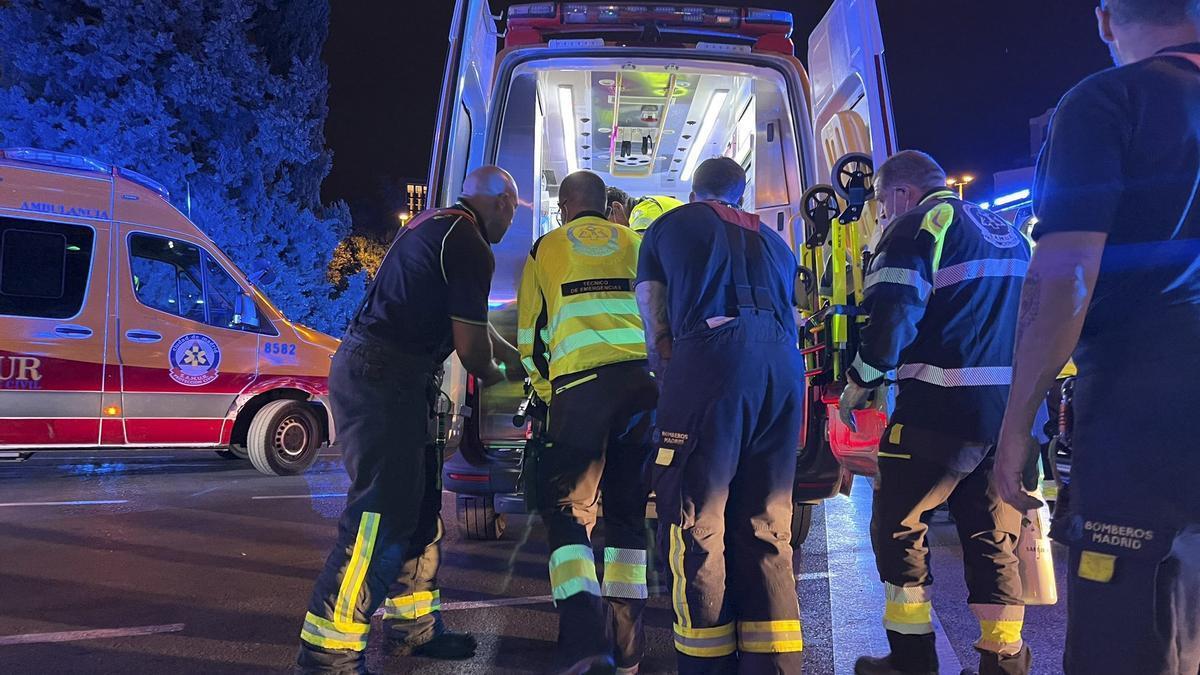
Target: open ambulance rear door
[(852, 106), (458, 147), (461, 131)]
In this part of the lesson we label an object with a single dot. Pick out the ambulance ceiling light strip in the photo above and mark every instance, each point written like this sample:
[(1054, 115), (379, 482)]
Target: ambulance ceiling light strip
[(566, 111), (715, 103)]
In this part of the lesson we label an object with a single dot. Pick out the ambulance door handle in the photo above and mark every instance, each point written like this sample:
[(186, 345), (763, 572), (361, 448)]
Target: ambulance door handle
[(73, 332), (142, 336)]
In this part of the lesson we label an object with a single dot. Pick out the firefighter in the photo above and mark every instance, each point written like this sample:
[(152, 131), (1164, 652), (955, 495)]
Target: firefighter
[(941, 292), (581, 340), (650, 209), (428, 299), (716, 294), (1114, 280)]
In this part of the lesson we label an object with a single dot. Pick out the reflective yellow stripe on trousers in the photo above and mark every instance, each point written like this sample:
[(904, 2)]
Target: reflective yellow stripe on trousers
[(679, 579), (343, 632), (999, 627), (770, 637), (413, 606), (908, 610), (327, 634), (706, 643), (573, 570), (625, 573)]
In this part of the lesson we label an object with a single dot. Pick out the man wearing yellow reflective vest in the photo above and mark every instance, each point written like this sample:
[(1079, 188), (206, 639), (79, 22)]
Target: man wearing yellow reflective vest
[(582, 343), (650, 209), (942, 293)]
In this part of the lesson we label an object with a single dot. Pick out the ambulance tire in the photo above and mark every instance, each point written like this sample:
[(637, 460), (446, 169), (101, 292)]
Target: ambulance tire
[(284, 438), (477, 518), (802, 515)]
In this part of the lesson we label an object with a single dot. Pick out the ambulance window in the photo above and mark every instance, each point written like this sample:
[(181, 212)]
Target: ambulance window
[(167, 276), (43, 268), (222, 291)]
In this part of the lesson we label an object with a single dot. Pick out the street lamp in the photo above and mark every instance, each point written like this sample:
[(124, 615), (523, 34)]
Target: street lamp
[(960, 183), (404, 216)]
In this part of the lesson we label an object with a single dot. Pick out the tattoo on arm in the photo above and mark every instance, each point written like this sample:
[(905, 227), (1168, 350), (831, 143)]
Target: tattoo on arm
[(1031, 303), (652, 301)]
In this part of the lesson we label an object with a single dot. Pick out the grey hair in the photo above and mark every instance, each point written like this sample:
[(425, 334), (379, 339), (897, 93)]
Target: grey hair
[(911, 167)]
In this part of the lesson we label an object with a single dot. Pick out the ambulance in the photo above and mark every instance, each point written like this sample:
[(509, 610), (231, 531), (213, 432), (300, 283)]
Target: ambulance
[(641, 93), (123, 326)]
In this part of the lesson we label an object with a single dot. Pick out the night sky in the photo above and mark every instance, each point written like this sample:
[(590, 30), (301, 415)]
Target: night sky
[(966, 77)]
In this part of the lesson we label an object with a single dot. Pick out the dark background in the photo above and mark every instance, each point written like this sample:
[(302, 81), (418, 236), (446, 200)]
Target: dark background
[(966, 77)]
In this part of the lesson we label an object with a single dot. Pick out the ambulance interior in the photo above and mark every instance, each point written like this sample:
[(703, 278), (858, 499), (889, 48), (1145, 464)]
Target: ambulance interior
[(642, 126)]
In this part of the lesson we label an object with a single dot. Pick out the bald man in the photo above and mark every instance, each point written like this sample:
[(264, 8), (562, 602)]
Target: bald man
[(428, 300)]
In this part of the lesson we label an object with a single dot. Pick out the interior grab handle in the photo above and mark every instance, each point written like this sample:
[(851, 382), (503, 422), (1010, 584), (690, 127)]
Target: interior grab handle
[(142, 336)]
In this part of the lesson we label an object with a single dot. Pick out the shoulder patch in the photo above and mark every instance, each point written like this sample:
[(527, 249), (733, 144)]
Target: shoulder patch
[(937, 219), (994, 229)]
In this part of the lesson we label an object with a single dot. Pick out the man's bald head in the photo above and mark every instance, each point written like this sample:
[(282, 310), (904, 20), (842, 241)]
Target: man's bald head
[(492, 193), (580, 192), (489, 181)]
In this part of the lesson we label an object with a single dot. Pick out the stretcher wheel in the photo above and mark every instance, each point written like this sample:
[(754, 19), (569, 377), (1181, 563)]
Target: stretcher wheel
[(284, 438), (854, 177), (477, 518), (821, 204)]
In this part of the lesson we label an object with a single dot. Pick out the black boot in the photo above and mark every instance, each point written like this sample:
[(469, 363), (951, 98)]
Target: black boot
[(915, 654), (991, 663), (444, 645)]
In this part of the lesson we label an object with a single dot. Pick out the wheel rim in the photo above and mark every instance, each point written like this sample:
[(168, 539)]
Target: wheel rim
[(292, 437)]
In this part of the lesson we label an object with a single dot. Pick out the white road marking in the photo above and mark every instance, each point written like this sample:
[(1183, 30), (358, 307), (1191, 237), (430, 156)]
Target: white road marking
[(812, 576), (82, 502), (859, 593), (317, 496), (75, 635)]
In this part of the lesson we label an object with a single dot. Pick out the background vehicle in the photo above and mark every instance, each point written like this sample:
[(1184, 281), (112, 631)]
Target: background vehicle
[(640, 94), (123, 325)]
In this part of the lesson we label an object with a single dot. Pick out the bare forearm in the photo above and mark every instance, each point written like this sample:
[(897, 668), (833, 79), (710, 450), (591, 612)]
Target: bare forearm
[(1054, 303), (503, 349), (652, 302)]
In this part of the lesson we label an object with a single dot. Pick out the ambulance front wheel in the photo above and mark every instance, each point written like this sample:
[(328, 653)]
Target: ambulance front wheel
[(802, 515), (477, 518), (234, 451), (284, 438)]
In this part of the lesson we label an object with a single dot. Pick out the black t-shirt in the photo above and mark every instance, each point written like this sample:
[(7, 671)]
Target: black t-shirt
[(1123, 158), (439, 269)]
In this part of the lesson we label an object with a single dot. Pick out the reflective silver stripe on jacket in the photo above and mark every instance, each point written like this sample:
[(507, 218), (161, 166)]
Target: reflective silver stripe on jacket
[(986, 376), (978, 269), (898, 275)]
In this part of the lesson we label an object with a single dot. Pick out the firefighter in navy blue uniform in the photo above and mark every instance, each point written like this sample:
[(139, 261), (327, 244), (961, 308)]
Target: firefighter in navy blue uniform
[(428, 299), (716, 293), (1115, 280), (576, 305), (942, 292)]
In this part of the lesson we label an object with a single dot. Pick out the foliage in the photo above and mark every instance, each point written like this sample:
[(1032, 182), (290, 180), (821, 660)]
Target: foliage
[(354, 254), (224, 100)]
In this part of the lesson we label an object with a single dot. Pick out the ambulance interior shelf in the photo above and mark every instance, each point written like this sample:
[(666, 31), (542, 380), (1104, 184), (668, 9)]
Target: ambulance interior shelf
[(833, 262), (642, 124)]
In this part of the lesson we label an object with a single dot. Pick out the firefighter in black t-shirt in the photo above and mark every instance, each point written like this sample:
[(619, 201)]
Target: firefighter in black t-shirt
[(428, 299), (1116, 278)]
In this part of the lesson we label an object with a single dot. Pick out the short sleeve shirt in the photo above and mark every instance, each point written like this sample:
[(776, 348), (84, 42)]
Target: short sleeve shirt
[(688, 250), (1123, 158), (439, 269)]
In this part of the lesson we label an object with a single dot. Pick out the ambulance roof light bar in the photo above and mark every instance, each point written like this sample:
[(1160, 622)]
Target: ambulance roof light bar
[(61, 160), (547, 18), (566, 111), (1013, 198), (715, 103)]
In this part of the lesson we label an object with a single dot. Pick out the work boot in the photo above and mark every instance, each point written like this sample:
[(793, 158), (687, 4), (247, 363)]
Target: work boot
[(876, 665), (991, 663), (444, 645)]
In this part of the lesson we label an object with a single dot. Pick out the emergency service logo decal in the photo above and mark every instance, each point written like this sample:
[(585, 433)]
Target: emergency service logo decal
[(995, 229), (194, 360), (593, 240)]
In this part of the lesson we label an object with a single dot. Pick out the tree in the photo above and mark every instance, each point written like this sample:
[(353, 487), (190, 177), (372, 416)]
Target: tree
[(224, 100)]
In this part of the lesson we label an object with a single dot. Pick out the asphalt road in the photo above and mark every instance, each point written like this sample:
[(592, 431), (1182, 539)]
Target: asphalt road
[(184, 562)]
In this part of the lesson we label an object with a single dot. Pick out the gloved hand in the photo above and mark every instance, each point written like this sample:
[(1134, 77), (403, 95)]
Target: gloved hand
[(853, 398)]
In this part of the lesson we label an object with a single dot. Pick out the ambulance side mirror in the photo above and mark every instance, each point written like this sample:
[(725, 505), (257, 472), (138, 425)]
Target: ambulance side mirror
[(245, 311)]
